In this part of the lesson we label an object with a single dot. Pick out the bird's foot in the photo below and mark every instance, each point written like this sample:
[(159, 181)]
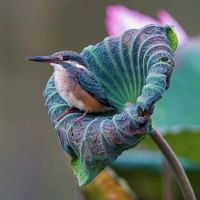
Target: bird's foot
[(81, 117), (70, 110)]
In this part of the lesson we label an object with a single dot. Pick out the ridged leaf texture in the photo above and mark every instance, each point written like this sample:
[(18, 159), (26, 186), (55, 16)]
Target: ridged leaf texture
[(134, 69)]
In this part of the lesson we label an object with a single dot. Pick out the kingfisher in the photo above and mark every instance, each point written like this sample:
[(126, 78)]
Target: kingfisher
[(77, 86)]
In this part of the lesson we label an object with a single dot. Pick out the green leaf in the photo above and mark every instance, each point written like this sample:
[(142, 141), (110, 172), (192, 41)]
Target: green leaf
[(83, 174), (134, 76)]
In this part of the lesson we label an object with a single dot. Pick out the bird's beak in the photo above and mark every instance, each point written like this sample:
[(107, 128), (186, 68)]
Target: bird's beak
[(47, 59)]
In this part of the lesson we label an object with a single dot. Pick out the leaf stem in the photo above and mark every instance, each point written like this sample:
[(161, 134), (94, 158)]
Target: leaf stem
[(170, 156)]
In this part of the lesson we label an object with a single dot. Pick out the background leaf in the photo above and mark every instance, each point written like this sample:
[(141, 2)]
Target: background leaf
[(177, 115), (143, 171)]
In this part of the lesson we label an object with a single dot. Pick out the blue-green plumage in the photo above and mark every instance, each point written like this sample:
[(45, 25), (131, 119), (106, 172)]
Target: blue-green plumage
[(88, 82)]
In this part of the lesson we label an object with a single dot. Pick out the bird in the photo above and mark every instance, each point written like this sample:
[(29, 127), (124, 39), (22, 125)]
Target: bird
[(76, 85)]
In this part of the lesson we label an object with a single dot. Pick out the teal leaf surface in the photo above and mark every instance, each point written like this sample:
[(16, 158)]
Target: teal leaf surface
[(148, 160), (134, 75)]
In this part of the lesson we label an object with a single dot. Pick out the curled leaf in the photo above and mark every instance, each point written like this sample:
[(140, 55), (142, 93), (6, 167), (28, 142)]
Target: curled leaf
[(134, 69)]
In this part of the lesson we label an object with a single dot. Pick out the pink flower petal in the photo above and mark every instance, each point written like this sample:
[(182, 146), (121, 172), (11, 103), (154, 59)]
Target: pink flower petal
[(165, 18), (119, 19)]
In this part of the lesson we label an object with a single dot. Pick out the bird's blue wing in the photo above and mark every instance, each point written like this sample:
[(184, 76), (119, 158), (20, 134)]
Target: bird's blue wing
[(90, 83)]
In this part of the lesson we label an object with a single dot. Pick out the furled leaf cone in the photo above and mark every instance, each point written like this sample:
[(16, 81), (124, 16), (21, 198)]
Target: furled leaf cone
[(134, 69)]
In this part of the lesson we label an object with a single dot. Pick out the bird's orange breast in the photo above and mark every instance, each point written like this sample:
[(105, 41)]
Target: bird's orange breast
[(90, 104)]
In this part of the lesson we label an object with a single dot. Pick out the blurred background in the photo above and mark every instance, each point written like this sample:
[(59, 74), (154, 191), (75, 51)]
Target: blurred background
[(32, 163)]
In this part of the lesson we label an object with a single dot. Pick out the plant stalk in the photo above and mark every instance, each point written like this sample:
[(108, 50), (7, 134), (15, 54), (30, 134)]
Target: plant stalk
[(170, 156)]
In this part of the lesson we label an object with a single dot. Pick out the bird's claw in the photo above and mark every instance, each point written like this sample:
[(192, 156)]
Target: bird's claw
[(80, 118), (70, 110)]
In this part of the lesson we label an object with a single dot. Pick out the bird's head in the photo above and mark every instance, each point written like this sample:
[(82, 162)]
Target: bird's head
[(61, 59)]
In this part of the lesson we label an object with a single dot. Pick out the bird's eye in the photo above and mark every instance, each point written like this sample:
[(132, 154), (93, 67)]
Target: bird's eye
[(164, 59), (65, 58)]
